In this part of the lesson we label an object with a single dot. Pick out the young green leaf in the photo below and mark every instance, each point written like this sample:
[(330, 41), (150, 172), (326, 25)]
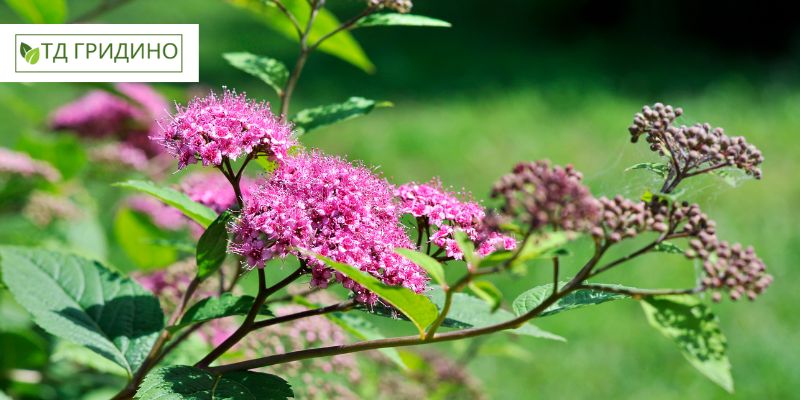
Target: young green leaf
[(212, 247), (82, 301), (312, 118), (273, 72), (184, 382), (543, 246), (196, 211), (471, 312), (223, 306), (397, 19), (695, 329), (142, 241), (416, 307), (488, 292), (659, 169), (40, 11), (342, 45), (531, 298), (426, 262), (668, 247), (32, 56), (467, 247)]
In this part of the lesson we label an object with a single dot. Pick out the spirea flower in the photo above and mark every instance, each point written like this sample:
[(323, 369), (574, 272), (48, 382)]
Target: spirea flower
[(326, 205), (445, 213), (541, 195), (16, 163), (214, 191), (737, 270), (120, 154), (401, 6), (43, 208), (694, 149), (211, 129)]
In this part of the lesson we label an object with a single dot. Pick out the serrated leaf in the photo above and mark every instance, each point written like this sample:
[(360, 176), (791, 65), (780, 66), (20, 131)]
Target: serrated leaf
[(40, 11), (531, 298), (273, 72), (225, 305), (416, 307), (397, 19), (82, 301), (487, 292), (696, 331), (196, 211), (212, 247), (471, 312), (184, 382), (312, 118), (667, 247), (659, 169), (23, 48), (142, 241), (426, 262), (342, 45)]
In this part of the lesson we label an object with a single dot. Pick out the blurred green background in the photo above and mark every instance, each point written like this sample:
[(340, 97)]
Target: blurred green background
[(524, 80)]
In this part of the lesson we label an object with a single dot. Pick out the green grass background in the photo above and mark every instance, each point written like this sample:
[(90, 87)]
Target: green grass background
[(469, 104)]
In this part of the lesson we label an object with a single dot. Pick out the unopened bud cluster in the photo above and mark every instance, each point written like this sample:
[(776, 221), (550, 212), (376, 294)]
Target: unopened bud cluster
[(401, 6), (539, 195), (694, 148), (736, 269)]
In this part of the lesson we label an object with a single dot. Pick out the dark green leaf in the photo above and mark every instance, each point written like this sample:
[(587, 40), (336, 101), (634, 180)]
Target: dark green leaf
[(269, 70), (341, 45), (416, 307), (183, 382), (82, 301), (312, 118), (426, 262), (397, 19), (22, 350), (668, 247), (695, 329), (142, 241), (219, 307), (40, 11), (196, 211), (212, 247), (23, 48), (530, 299), (471, 312), (659, 169)]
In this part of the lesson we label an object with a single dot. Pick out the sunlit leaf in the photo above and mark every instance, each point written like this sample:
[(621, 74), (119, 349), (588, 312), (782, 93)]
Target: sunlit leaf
[(426, 262), (397, 19), (317, 117), (531, 298), (40, 11), (225, 305), (183, 382), (269, 70), (196, 211)]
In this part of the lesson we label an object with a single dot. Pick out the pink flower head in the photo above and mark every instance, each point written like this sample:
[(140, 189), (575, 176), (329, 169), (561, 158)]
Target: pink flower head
[(162, 215), (12, 162), (210, 129), (326, 205), (445, 213), (214, 191)]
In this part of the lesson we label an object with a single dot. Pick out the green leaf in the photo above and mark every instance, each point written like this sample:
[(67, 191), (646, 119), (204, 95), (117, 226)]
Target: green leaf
[(341, 45), (659, 169), (273, 72), (696, 331), (183, 382), (467, 247), (32, 56), (397, 19), (40, 11), (71, 352), (212, 247), (547, 245), (362, 329), (668, 247), (225, 305), (22, 350), (471, 312), (196, 211), (416, 307), (530, 299), (64, 152), (312, 118), (82, 301), (426, 262), (23, 48), (487, 292), (142, 241)]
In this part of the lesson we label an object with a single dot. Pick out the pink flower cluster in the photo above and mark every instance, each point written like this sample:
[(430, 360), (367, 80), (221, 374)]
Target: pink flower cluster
[(101, 114), (12, 162), (211, 129), (446, 213), (326, 205)]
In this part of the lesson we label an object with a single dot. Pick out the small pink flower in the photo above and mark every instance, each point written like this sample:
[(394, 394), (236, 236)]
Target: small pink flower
[(12, 162)]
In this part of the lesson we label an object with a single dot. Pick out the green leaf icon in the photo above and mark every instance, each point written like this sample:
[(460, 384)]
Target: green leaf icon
[(23, 49), (32, 56)]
